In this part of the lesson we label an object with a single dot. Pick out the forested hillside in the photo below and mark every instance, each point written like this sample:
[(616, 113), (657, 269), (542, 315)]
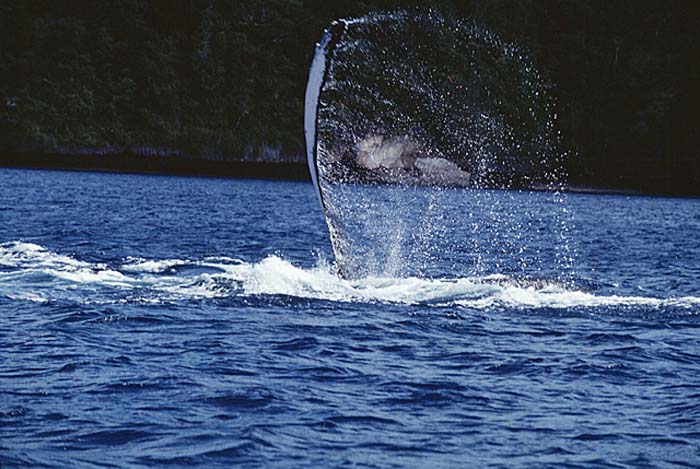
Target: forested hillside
[(225, 79)]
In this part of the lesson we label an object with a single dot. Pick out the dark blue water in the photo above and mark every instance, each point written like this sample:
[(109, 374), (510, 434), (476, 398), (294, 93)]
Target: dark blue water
[(156, 321)]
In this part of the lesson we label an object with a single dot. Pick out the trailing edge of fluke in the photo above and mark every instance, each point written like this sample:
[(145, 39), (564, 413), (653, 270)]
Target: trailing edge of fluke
[(317, 77)]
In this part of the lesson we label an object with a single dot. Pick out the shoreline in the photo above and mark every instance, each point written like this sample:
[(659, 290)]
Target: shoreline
[(131, 163)]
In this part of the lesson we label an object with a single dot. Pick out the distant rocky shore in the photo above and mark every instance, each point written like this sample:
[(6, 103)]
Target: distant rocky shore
[(166, 163), (172, 163)]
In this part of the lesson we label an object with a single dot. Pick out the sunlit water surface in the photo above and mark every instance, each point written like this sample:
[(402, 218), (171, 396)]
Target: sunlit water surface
[(150, 321)]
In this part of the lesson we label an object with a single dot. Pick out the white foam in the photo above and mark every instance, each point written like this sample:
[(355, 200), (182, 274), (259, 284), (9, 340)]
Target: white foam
[(152, 266), (28, 297), (19, 253), (104, 277), (140, 265), (34, 273), (274, 276)]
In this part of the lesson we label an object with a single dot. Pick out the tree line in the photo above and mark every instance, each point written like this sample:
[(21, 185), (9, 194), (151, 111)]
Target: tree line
[(225, 79)]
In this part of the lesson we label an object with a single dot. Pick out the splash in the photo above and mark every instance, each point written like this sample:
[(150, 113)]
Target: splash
[(29, 272), (412, 121)]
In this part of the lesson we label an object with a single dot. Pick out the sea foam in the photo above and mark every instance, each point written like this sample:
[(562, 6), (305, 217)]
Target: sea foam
[(34, 273)]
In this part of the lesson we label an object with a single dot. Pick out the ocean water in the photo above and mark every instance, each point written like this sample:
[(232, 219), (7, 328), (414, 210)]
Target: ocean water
[(151, 321)]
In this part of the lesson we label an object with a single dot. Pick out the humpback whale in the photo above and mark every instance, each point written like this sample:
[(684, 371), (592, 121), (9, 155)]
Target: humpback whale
[(317, 77), (403, 112)]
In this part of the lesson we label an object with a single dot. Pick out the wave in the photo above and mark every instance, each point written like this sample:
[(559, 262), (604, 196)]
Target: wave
[(31, 272)]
